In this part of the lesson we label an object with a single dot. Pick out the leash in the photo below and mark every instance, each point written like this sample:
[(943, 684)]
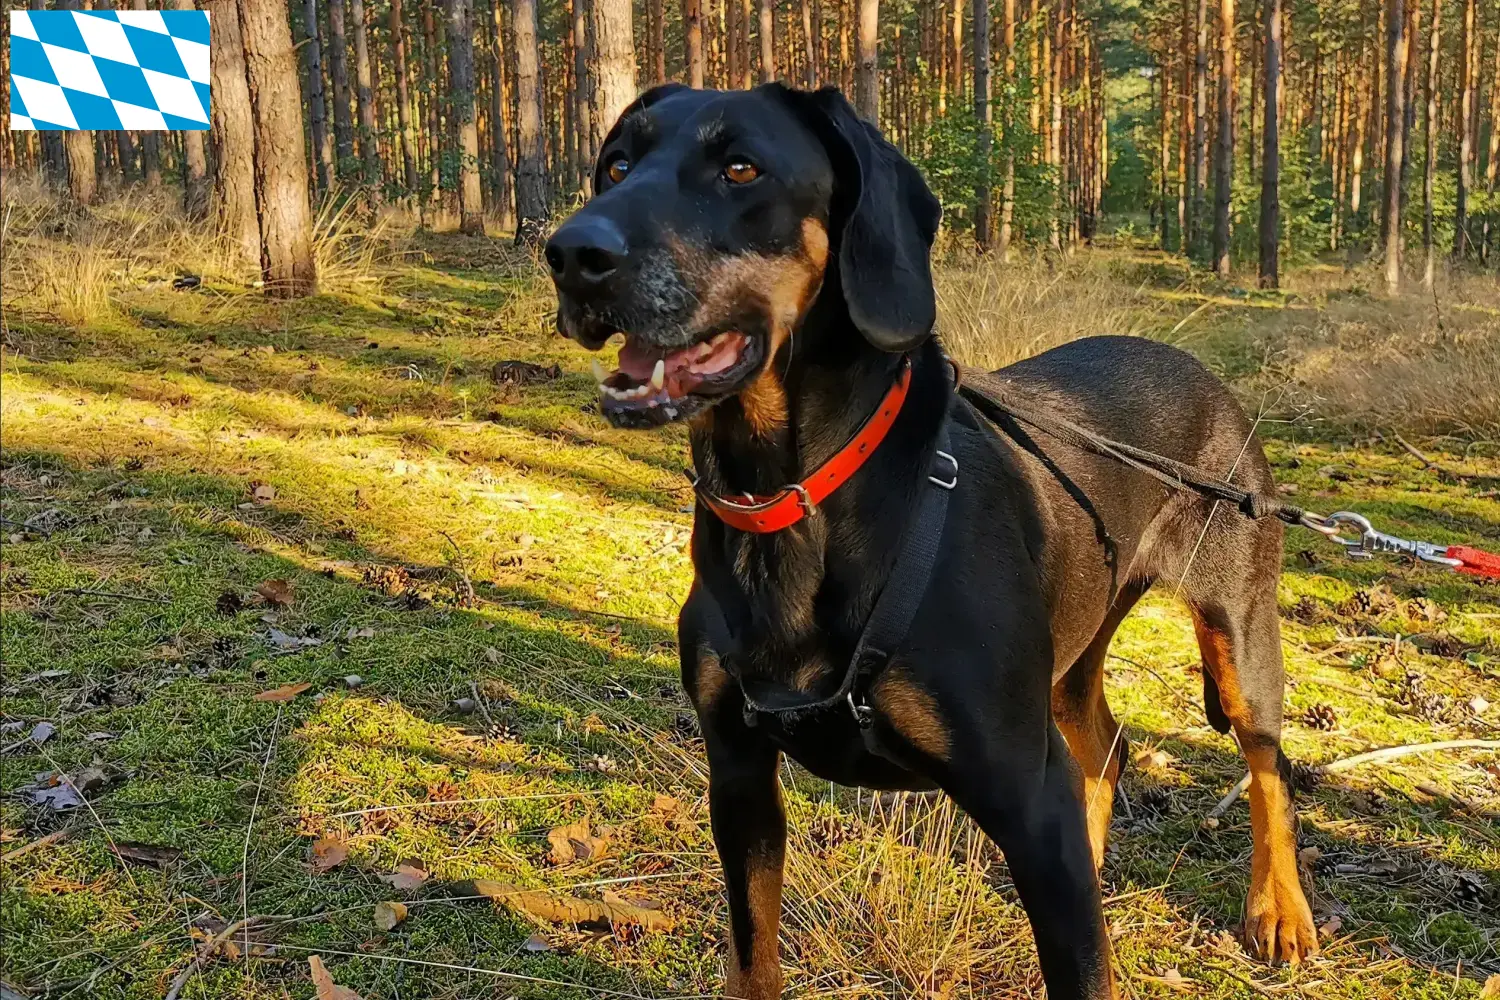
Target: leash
[(987, 394)]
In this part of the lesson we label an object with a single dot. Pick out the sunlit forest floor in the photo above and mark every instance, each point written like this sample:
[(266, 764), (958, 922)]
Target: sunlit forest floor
[(462, 586)]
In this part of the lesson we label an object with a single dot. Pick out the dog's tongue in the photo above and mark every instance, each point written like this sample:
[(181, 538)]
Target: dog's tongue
[(684, 368)]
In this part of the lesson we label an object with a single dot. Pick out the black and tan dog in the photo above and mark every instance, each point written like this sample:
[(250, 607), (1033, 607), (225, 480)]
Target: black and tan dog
[(766, 256)]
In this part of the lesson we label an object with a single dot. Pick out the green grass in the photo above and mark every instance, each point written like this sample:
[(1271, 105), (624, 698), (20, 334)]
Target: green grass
[(134, 441)]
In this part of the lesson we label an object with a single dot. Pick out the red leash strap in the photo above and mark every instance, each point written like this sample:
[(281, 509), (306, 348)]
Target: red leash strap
[(1475, 561), (763, 515)]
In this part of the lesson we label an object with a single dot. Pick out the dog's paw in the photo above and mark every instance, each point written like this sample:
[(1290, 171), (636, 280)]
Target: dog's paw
[(1279, 925)]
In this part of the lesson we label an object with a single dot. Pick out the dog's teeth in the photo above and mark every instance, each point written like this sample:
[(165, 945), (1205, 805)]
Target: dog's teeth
[(599, 373), (659, 374), (611, 391)]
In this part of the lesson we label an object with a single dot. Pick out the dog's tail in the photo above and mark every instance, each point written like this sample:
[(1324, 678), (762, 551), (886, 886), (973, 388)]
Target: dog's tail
[(1212, 706)]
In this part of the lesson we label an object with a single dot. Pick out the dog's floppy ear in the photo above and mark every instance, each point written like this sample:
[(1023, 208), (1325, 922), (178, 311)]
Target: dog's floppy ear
[(647, 99), (883, 222)]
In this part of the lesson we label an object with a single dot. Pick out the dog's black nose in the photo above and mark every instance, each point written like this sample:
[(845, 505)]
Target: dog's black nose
[(584, 252)]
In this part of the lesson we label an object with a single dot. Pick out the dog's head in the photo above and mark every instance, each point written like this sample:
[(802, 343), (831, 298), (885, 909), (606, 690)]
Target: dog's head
[(719, 218)]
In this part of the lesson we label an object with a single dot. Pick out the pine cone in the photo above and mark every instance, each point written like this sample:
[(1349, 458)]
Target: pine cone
[(1470, 888), (1153, 799), (1321, 716), (392, 581)]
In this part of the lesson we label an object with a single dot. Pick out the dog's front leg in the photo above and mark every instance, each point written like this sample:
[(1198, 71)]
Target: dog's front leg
[(744, 803), (1030, 808)]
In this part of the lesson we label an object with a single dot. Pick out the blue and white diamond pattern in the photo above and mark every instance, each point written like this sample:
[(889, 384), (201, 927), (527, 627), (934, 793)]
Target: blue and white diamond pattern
[(109, 69)]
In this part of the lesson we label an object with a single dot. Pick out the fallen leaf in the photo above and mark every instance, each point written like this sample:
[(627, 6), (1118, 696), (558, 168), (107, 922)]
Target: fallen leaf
[(99, 737), (282, 640), (1155, 758), (1307, 857), (146, 854), (328, 853), (323, 984), (263, 493), (90, 779), (53, 791), (558, 908), (389, 914), (360, 633), (277, 592), (1331, 927), (42, 732), (497, 690), (665, 805), (536, 943), (1491, 989), (406, 878), (284, 693), (573, 842)]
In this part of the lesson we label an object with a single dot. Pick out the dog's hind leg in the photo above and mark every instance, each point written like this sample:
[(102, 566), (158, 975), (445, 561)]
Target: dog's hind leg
[(1082, 714), (1239, 637)]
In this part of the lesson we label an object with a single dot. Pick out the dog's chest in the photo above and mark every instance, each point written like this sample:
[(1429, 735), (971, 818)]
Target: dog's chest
[(831, 745)]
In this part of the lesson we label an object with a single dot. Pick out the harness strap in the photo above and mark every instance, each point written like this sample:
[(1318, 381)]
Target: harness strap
[(996, 400), (894, 610)]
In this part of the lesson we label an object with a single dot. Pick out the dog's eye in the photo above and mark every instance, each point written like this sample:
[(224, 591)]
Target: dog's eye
[(740, 172), (618, 168)]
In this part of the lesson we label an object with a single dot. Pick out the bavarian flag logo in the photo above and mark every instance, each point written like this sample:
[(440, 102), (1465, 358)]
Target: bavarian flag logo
[(109, 69)]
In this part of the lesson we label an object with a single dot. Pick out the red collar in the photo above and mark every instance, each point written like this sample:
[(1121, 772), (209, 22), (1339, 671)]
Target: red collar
[(763, 515)]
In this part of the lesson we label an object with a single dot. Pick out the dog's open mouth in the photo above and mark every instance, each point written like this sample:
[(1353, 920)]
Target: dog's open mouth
[(656, 385)]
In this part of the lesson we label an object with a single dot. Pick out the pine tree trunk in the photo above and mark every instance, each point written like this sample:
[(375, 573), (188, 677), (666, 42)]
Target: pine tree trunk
[(531, 167), (1270, 174), (1430, 126), (233, 135), (583, 91), (460, 22), (1224, 148), (866, 76), (658, 27), (810, 43), (432, 62), (369, 136), (499, 140), (1492, 165), (1184, 125), (78, 151), (984, 115), (1199, 206), (747, 73), (1395, 115), (614, 62), (692, 41), (338, 69), (403, 97), (767, 41), (312, 55), (1008, 191), (1467, 85), (281, 189)]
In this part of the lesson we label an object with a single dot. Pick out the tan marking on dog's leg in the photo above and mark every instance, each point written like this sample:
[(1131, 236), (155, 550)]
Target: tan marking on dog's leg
[(760, 977), (708, 682), (912, 712), (1091, 733), (1278, 922)]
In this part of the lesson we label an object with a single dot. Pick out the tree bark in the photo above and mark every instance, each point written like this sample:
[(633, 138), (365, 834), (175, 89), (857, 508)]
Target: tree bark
[(369, 136), (614, 64), (1429, 170), (1008, 191), (1492, 166), (810, 43), (1224, 148), (78, 151), (867, 56), (984, 115), (692, 41), (1395, 114), (233, 135), (1200, 131), (531, 177), (338, 68), (316, 102), (281, 195), (499, 139), (403, 97), (767, 41), (1270, 174), (583, 89), (461, 61), (657, 24), (1467, 53), (432, 61)]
